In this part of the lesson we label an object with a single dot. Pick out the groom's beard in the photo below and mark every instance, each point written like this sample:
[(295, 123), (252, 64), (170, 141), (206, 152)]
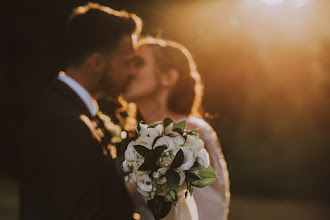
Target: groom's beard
[(141, 96), (112, 87), (126, 84), (108, 86)]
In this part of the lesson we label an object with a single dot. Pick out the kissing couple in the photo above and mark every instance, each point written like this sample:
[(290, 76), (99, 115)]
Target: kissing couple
[(67, 167)]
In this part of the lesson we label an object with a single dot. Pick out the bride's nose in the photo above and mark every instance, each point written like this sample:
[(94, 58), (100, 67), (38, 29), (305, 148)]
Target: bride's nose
[(132, 69)]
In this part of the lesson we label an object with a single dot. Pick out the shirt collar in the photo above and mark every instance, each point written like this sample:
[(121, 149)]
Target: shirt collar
[(84, 95)]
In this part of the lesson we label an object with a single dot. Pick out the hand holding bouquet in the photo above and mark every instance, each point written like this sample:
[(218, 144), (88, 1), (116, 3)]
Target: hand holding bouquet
[(166, 161)]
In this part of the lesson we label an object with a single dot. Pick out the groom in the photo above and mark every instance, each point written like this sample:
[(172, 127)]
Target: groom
[(66, 171)]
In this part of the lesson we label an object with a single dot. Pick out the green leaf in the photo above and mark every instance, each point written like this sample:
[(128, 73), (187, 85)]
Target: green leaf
[(124, 143), (142, 150), (193, 132), (146, 166), (154, 124), (174, 196), (118, 162), (167, 122), (156, 153), (139, 126), (155, 140), (173, 134), (199, 162), (208, 173), (180, 125), (178, 130), (151, 158), (173, 179), (190, 177), (159, 207), (207, 177), (191, 189), (178, 160), (204, 182)]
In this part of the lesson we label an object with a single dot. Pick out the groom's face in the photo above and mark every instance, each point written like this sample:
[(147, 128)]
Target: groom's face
[(118, 68)]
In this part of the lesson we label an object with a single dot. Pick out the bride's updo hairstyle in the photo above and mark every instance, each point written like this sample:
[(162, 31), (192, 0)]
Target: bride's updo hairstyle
[(186, 96)]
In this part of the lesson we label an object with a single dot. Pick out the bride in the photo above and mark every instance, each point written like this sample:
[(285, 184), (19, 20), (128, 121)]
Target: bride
[(166, 83)]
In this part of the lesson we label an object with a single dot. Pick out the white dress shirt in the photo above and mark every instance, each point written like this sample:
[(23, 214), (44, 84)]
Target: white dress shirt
[(84, 95)]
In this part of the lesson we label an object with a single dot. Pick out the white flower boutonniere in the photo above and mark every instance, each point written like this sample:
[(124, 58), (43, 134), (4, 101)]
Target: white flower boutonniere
[(96, 132), (114, 129), (104, 131)]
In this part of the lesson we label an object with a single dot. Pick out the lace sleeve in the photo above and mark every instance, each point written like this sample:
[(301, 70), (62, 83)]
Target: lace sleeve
[(216, 194)]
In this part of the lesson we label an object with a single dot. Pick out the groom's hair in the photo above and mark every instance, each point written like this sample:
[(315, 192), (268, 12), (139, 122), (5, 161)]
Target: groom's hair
[(96, 28)]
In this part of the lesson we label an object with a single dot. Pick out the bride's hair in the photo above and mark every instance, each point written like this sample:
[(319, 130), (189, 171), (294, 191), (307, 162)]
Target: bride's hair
[(186, 96)]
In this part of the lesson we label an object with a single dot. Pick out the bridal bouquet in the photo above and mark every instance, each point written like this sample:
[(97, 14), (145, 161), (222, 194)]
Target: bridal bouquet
[(166, 161)]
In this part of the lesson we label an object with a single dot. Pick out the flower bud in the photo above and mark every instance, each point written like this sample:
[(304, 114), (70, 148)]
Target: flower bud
[(168, 198), (168, 129), (130, 165), (126, 179), (200, 161), (155, 175), (173, 194), (152, 194)]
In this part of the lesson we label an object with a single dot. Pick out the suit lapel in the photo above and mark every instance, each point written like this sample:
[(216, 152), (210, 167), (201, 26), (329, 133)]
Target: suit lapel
[(92, 122), (68, 92)]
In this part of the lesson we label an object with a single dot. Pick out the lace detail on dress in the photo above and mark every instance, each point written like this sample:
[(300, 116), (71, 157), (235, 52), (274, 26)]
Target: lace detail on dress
[(212, 201)]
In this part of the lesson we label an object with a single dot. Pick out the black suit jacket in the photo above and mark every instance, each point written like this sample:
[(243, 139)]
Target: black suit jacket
[(64, 173)]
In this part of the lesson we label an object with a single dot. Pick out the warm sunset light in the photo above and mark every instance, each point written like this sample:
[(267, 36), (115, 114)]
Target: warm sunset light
[(165, 109), (271, 2), (295, 3)]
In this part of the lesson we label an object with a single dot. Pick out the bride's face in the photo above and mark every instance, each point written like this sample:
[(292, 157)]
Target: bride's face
[(144, 82)]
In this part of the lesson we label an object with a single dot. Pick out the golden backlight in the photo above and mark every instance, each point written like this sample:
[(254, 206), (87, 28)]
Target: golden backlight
[(266, 68)]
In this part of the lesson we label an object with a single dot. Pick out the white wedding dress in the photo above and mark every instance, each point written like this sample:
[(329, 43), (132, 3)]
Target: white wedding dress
[(185, 210), (211, 202)]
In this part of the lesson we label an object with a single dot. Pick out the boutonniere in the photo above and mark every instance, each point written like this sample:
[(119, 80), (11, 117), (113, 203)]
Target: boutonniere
[(96, 132), (104, 131), (113, 129)]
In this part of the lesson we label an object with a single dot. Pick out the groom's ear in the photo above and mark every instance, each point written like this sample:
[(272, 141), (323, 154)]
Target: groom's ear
[(170, 78), (96, 62)]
